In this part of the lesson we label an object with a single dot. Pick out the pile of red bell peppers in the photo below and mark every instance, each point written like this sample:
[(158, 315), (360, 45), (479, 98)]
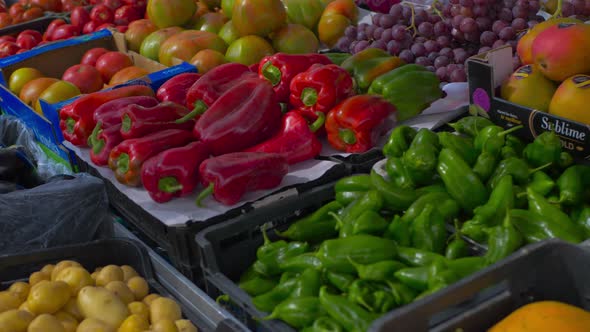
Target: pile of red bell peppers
[(234, 129)]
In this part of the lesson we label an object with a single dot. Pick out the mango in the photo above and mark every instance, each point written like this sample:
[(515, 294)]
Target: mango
[(528, 87), (525, 43), (571, 99)]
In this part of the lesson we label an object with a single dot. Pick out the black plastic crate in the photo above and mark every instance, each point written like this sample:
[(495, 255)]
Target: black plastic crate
[(548, 270)]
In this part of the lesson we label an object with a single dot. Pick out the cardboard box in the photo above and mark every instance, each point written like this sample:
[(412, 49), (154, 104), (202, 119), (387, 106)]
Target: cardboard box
[(486, 73)]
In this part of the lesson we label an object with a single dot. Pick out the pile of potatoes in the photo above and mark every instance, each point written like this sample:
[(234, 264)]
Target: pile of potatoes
[(67, 298)]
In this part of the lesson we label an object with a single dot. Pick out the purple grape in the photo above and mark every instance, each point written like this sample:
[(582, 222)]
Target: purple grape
[(513, 44), (423, 61), (434, 18), (484, 49), (386, 35), (360, 46), (519, 24), (460, 55), (407, 13), (420, 39), (451, 67), (483, 23), (447, 52), (458, 35), (472, 37), (350, 31), (454, 2), (379, 44), (431, 68), (431, 46), (498, 43), (534, 6), (508, 3), (426, 29), (480, 2), (507, 34), (386, 21), (441, 73), (515, 62), (361, 35), (505, 15), (498, 26), (394, 47), (466, 11), (418, 49), (466, 3), (455, 10), (376, 18), (480, 11), (531, 24), (520, 12), (487, 38), (458, 75), (353, 46), (443, 41), (457, 21), (440, 29), (407, 56), (396, 11), (420, 17), (468, 25), (370, 29), (362, 27), (398, 33), (344, 43), (441, 61), (377, 33)]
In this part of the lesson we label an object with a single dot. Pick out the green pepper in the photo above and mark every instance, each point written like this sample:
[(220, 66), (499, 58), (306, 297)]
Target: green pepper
[(352, 188), (371, 200), (258, 285), (380, 271), (583, 220), (520, 200), (485, 165), (298, 312), (494, 210), (466, 266), (414, 277), (316, 227), (471, 125), (571, 184), (308, 284), (417, 257), (268, 301), (367, 65), (426, 137), (326, 324), (341, 281), (420, 163), (337, 58), (269, 247), (363, 249), (350, 315), (446, 206), (545, 149), (516, 167), (399, 230), (429, 231), (516, 144), (301, 262), (475, 231), (401, 293), (371, 295), (463, 185), (370, 222), (508, 152), (457, 247), (398, 173), (565, 160), (463, 146), (492, 138), (411, 88), (536, 227), (433, 188), (542, 183), (503, 240), (439, 274), (288, 275), (269, 264), (394, 198), (399, 141)]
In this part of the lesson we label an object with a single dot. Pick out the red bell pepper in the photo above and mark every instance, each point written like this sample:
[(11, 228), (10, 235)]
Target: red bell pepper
[(280, 69), (254, 67), (231, 175), (296, 140), (356, 124), (174, 172), (244, 116), (137, 121), (215, 83), (175, 89), (320, 88), (77, 119), (102, 142), (126, 158)]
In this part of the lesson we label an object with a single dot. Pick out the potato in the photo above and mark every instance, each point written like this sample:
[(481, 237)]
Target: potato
[(185, 325), (109, 273), (37, 277), (100, 303), (134, 323), (21, 289), (94, 275), (76, 277), (48, 269), (9, 300), (68, 321), (121, 290), (61, 266), (94, 325), (164, 325), (15, 320), (150, 298), (164, 308), (128, 272), (139, 308), (72, 308), (45, 323), (139, 287), (25, 307), (48, 297)]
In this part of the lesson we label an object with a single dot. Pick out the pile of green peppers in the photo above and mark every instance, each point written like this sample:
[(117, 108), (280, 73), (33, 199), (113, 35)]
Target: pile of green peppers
[(383, 241)]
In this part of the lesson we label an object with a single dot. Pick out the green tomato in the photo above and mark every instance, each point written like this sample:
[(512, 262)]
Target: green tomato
[(227, 7), (304, 12), (248, 50), (295, 39), (228, 32)]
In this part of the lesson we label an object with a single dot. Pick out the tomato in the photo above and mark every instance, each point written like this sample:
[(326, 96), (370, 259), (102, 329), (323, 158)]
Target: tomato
[(295, 39), (168, 13), (32, 13), (102, 14), (345, 8), (51, 28), (212, 22), (258, 17), (79, 17), (104, 26), (304, 12), (127, 14), (206, 60), (248, 50), (228, 32), (5, 20), (150, 46), (64, 32), (22, 76), (36, 34), (112, 4), (26, 41), (137, 32), (69, 5), (136, 3), (47, 5), (227, 7), (127, 74), (122, 28), (186, 44), (331, 28), (7, 38), (8, 48), (32, 89), (56, 92)]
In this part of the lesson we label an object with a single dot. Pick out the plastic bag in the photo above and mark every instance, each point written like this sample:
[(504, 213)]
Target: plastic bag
[(14, 132), (65, 210)]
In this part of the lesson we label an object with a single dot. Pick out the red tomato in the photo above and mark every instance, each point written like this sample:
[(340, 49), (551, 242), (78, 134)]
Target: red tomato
[(32, 13), (26, 41), (7, 38), (122, 28), (69, 5), (8, 48), (33, 33), (90, 57), (102, 14), (51, 28), (5, 20), (112, 4), (47, 5), (127, 14), (104, 26), (79, 17), (89, 27), (65, 31)]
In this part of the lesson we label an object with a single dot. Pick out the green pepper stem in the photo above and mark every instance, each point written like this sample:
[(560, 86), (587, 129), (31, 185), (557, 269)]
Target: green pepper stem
[(339, 222), (221, 298), (264, 235), (70, 124), (94, 135), (200, 108), (347, 136), (309, 96), (204, 194), (169, 184), (126, 123), (271, 73), (284, 108), (318, 123), (511, 130), (540, 168), (123, 163)]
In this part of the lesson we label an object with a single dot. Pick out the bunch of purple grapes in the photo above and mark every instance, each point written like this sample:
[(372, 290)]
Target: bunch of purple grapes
[(443, 37)]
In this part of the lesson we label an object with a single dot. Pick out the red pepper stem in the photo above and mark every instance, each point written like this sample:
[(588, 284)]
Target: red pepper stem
[(271, 73), (169, 185), (93, 141), (200, 108), (123, 163), (318, 123), (70, 123), (125, 123), (347, 136), (309, 96), (204, 194)]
